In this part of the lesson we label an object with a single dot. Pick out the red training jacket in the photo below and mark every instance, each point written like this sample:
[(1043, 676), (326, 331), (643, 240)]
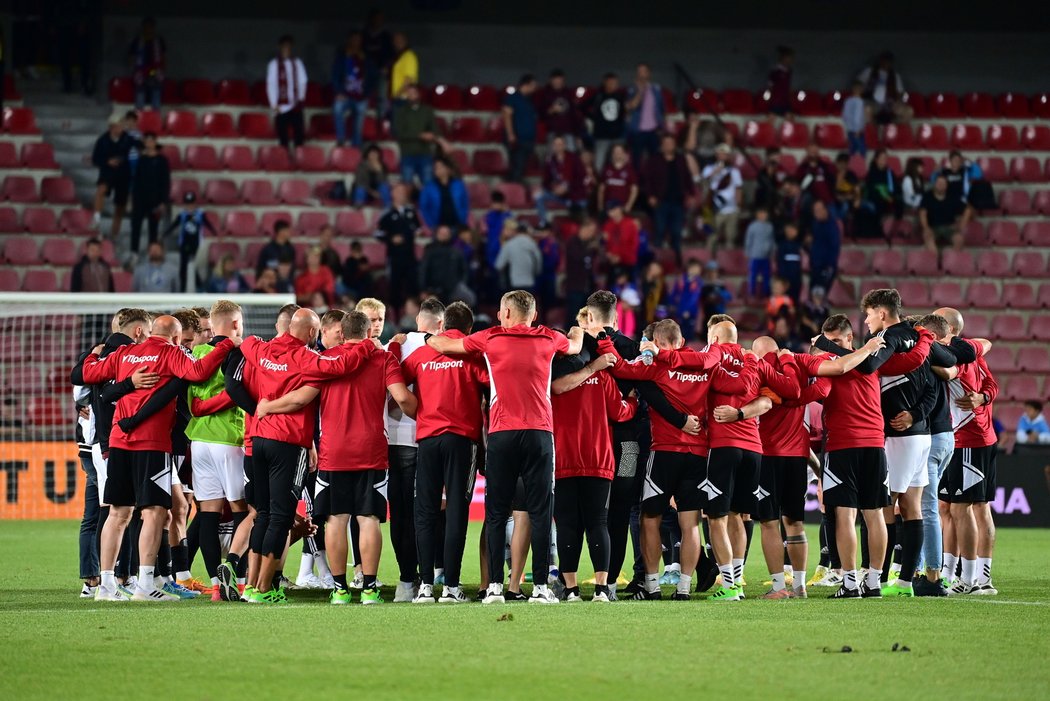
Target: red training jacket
[(784, 428), (582, 434), (448, 389), (973, 429)]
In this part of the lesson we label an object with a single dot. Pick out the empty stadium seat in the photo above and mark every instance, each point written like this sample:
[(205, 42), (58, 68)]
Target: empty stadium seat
[(793, 135), (233, 92), (1001, 358), (979, 105), (40, 220), (1029, 264), (468, 129), (9, 222), (182, 123), (732, 261), (58, 190), (967, 136), (294, 192), (479, 195), (345, 159), (1003, 137), (222, 191), (218, 250), (1026, 169), (256, 125), (490, 162), (60, 251), (1016, 389), (39, 155), (483, 98), (349, 222), (515, 194), (948, 293), (917, 102), (1004, 233), (240, 223), (77, 222), (274, 158), (899, 136), (1035, 137), (174, 158), (310, 223), (1043, 296), (121, 90), (982, 295), (238, 158), (258, 191), (202, 157), (1034, 359), (310, 159), (944, 106), (922, 262), (1039, 327), (830, 135), (1015, 202), (759, 134), (993, 264), (738, 102), (889, 261), (9, 156), (40, 281), (197, 91), (1041, 202), (1020, 295), (460, 160), (315, 96), (47, 411), (1009, 327), (21, 250), (150, 121), (19, 120), (218, 125), (180, 186), (19, 188), (914, 293), (9, 282), (1013, 105), (994, 168), (808, 103), (932, 137), (853, 261), (1036, 233)]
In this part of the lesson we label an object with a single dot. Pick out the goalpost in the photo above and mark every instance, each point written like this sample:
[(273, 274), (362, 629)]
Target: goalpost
[(41, 337)]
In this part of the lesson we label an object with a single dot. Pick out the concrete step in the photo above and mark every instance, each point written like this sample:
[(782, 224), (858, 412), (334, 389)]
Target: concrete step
[(73, 125)]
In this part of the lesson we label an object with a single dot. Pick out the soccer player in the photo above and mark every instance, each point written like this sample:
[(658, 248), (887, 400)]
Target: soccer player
[(353, 458), (448, 430), (520, 440), (969, 483), (584, 466), (280, 443), (140, 463), (203, 334)]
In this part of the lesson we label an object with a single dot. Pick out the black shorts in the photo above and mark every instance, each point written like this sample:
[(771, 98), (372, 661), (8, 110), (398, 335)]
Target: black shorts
[(856, 478), (138, 478), (117, 182), (970, 477), (669, 474), (354, 492), (732, 482), (782, 486)]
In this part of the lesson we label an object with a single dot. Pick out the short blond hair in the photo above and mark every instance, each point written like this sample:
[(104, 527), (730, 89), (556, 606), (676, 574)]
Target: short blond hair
[(667, 330), (224, 308), (520, 302), (583, 315), (371, 304)]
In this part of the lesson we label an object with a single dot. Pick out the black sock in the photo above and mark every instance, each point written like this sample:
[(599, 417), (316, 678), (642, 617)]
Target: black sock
[(833, 545), (242, 566), (209, 541), (193, 539), (749, 529), (163, 568), (911, 548), (234, 560), (180, 557), (865, 556), (600, 589), (891, 543), (277, 579), (340, 580), (370, 581)]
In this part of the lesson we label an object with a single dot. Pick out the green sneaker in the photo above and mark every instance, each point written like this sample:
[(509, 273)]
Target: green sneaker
[(275, 597), (726, 594), (370, 596), (895, 590), (254, 596), (280, 595), (339, 596), (740, 590)]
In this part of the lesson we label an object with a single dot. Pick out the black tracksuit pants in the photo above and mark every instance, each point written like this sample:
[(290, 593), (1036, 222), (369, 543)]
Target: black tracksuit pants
[(445, 462)]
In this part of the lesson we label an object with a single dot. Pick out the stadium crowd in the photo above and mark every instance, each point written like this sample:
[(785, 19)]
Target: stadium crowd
[(321, 433)]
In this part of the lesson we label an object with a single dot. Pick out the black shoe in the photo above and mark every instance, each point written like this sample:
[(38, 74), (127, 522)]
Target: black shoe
[(644, 595), (680, 596), (924, 587), (633, 587), (844, 593), (514, 596), (481, 595), (706, 574), (867, 592)]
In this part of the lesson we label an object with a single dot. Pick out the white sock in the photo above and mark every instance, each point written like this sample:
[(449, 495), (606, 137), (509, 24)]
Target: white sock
[(849, 579), (727, 575), (108, 580), (241, 581), (673, 567), (652, 582), (778, 581), (306, 565), (439, 572), (951, 563), (984, 570), (183, 575), (873, 579), (215, 581), (321, 563), (451, 590), (159, 582), (798, 577), (895, 570), (738, 569), (145, 578), (496, 589), (969, 571), (685, 583), (539, 589)]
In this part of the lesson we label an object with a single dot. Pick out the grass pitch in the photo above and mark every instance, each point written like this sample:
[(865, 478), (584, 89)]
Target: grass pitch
[(57, 646)]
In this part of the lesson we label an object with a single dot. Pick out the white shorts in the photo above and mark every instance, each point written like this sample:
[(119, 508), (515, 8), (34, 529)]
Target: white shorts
[(101, 473), (906, 462), (218, 471), (176, 465)]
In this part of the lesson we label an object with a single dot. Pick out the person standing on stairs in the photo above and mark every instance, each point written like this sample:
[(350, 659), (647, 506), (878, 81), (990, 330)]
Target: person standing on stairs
[(110, 156)]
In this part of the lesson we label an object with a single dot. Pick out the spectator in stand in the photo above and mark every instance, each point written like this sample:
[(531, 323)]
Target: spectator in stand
[(590, 178), (467, 243), (788, 206), (702, 138), (942, 217), (962, 177), (286, 91), (92, 274), (714, 295), (266, 282), (778, 84), (769, 181), (550, 252), (825, 244), (789, 259), (882, 187), (628, 301), (226, 278), (645, 116), (416, 131), (330, 257), (444, 200), (286, 274), (847, 187), (816, 177), (556, 104), (398, 228), (913, 185), (150, 192), (520, 126), (146, 54), (404, 71), (131, 128), (379, 55), (370, 180), (493, 223), (618, 181), (666, 184), (884, 91), (786, 336), (759, 246), (684, 299), (317, 278), (582, 253), (779, 305), (349, 74), (110, 156), (607, 112), (814, 312), (563, 181), (855, 119), (443, 270), (621, 236), (653, 284), (357, 272), (521, 260), (1032, 428), (191, 224), (723, 182), (277, 249), (155, 274)]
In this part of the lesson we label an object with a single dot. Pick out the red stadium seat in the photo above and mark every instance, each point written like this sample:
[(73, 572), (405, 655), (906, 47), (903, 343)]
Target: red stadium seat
[(982, 295), (1030, 264), (1043, 295), (269, 220), (973, 234), (1009, 327), (173, 156), (294, 192), (793, 135), (482, 98), (948, 293), (923, 262), (830, 135), (9, 223), (738, 102), (202, 157), (256, 125), (240, 223), (310, 159), (967, 136), (1003, 137), (233, 92), (1036, 233), (181, 123), (1034, 359), (479, 195), (918, 104), (21, 250), (888, 261), (1026, 169), (1040, 105), (391, 160), (39, 155), (40, 281), (1015, 202), (732, 261), (979, 105), (77, 222), (914, 293), (9, 282), (808, 103), (460, 160), (180, 186), (349, 222), (1013, 105), (322, 127), (345, 159), (1016, 389), (221, 191), (1035, 137), (1002, 358), (944, 106), (238, 158), (1019, 295), (899, 136), (994, 169), (698, 100), (150, 121), (60, 251), (933, 137), (468, 129), (19, 188), (9, 156), (759, 134), (1041, 202), (197, 91), (218, 125), (19, 120), (274, 159), (58, 190), (121, 90), (1039, 327), (40, 220), (310, 223), (258, 191), (853, 261), (446, 97), (218, 250), (515, 194), (958, 263), (490, 162), (315, 96), (1004, 233), (993, 264), (47, 411)]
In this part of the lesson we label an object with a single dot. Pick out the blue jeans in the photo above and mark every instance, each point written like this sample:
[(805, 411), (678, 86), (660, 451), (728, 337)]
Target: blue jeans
[(670, 218), (857, 143), (417, 166), (343, 108), (942, 445), (642, 143), (89, 523), (361, 195), (544, 199), (149, 91), (758, 277)]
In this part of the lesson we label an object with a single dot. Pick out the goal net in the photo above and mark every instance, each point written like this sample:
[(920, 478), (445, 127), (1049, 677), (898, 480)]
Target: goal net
[(41, 337)]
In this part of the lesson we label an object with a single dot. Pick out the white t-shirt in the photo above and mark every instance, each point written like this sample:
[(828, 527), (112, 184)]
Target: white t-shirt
[(400, 429), (273, 86), (724, 180)]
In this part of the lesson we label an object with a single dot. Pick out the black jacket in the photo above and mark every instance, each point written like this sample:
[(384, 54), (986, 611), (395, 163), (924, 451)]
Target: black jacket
[(151, 185), (104, 396), (443, 269)]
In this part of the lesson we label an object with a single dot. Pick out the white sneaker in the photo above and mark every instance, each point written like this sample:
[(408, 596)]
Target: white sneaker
[(600, 598), (405, 592), (328, 581), (453, 595), (87, 591), (961, 588), (310, 581), (153, 595), (103, 594), (358, 582), (986, 589), (572, 597), (542, 595), (612, 593), (425, 595), (285, 583), (494, 595)]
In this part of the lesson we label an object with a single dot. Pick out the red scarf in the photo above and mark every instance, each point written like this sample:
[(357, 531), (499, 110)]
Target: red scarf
[(284, 96)]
